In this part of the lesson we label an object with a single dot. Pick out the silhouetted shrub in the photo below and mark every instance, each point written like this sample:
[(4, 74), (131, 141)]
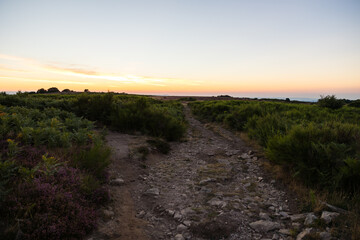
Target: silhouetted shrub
[(66, 90), (41, 90), (355, 103), (330, 102), (53, 90), (188, 99)]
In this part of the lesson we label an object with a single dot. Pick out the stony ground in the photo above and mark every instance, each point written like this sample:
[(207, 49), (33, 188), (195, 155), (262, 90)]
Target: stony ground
[(210, 186)]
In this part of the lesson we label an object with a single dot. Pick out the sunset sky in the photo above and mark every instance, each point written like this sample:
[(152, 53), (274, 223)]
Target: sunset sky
[(256, 48)]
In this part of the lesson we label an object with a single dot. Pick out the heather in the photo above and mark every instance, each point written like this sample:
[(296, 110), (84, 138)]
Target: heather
[(53, 159), (45, 192)]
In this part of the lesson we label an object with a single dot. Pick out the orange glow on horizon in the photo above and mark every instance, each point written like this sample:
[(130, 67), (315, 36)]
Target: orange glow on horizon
[(24, 74)]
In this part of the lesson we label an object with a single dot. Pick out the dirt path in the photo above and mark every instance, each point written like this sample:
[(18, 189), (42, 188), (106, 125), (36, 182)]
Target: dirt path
[(208, 187)]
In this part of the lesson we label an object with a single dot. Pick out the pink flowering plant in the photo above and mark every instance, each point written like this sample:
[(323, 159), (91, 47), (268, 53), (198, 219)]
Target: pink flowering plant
[(45, 191)]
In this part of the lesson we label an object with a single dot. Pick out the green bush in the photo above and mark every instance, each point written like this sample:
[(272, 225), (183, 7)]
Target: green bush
[(94, 107), (330, 102), (94, 160), (355, 103), (89, 184), (150, 119), (315, 142), (239, 117), (263, 128), (127, 113), (52, 199), (349, 175), (160, 145), (316, 153), (8, 170)]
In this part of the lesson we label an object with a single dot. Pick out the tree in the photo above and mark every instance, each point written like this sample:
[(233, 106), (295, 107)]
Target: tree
[(41, 90), (66, 90), (53, 90), (86, 90)]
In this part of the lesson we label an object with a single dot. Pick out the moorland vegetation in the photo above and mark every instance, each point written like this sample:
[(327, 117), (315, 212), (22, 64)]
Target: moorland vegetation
[(53, 157), (318, 144)]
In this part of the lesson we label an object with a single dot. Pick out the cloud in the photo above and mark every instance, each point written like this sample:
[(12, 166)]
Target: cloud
[(48, 81), (23, 61), (10, 69), (89, 73), (71, 70)]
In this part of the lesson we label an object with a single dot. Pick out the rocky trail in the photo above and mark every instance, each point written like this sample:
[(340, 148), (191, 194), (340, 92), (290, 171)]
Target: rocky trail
[(210, 186)]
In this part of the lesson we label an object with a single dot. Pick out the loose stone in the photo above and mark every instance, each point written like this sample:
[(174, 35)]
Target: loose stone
[(285, 231), (117, 182), (108, 214), (179, 237), (177, 216), (310, 218), (181, 228), (187, 223), (264, 226), (152, 192), (304, 233), (328, 216), (325, 235), (297, 217), (141, 214), (264, 216)]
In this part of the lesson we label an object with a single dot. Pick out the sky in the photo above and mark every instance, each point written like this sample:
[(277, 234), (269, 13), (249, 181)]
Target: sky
[(255, 48)]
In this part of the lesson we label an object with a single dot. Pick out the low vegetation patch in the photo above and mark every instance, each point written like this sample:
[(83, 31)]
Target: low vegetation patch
[(318, 144), (48, 190), (126, 113), (53, 165)]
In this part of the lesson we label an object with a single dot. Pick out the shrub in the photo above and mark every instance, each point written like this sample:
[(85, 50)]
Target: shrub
[(55, 201), (53, 90), (41, 90), (93, 160), (160, 145), (348, 177), (355, 103), (238, 118), (66, 90), (8, 170), (51, 199), (330, 102), (94, 107), (187, 99), (316, 153), (92, 189), (150, 119), (263, 128)]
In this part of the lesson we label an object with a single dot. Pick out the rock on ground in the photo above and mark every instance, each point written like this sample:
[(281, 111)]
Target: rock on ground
[(264, 226)]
